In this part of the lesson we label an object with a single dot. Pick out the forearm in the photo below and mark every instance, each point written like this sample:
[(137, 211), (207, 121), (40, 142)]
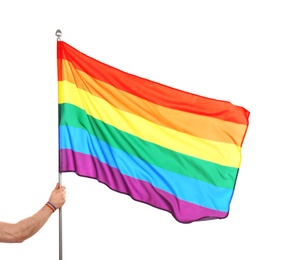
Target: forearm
[(31, 225), (24, 229)]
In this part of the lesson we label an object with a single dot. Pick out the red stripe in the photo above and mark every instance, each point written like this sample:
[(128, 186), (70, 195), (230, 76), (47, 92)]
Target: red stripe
[(152, 91)]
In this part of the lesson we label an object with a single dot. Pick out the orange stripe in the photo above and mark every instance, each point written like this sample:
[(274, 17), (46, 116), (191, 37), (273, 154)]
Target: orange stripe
[(50, 207), (196, 125)]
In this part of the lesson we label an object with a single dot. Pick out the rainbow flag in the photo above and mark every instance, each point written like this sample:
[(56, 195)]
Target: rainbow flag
[(168, 148)]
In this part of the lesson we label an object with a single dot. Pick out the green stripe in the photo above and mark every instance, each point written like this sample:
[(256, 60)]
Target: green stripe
[(218, 175)]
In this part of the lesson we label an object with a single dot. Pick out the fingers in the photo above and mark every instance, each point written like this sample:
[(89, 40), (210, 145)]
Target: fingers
[(62, 188), (58, 196)]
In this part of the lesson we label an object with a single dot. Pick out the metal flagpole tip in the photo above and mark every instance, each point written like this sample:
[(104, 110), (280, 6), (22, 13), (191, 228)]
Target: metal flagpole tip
[(58, 33)]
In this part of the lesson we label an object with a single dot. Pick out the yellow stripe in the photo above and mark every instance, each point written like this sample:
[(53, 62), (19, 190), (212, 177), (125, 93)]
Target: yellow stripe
[(217, 152)]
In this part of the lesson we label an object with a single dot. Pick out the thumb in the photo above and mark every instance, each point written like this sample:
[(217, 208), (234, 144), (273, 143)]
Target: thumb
[(57, 186)]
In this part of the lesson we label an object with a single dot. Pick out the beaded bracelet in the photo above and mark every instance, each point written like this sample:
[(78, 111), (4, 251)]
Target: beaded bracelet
[(51, 206)]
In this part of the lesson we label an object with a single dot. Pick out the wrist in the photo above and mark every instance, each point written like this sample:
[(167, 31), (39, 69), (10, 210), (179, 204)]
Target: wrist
[(51, 206)]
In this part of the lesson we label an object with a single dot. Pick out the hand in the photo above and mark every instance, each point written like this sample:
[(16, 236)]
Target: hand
[(57, 197)]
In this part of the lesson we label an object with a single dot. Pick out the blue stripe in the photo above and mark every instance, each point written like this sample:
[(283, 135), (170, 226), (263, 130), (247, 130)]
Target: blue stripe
[(182, 187)]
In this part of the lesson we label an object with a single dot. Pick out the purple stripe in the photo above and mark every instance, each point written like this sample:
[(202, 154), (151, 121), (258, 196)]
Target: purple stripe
[(88, 166)]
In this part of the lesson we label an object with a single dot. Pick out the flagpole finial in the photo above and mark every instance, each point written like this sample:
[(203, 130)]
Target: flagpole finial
[(58, 33)]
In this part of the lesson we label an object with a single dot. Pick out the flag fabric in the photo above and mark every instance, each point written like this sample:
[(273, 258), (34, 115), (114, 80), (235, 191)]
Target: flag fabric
[(171, 149)]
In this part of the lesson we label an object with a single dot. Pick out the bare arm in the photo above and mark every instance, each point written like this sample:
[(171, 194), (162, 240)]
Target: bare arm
[(24, 229)]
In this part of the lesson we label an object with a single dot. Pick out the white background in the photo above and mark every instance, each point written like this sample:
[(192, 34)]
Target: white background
[(229, 50)]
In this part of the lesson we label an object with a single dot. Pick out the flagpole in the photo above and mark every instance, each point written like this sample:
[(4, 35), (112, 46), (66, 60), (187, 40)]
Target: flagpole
[(58, 34), (60, 223)]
